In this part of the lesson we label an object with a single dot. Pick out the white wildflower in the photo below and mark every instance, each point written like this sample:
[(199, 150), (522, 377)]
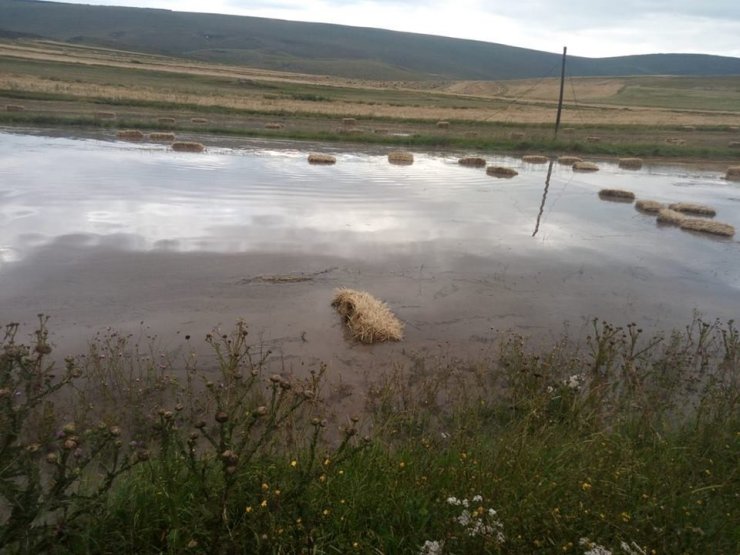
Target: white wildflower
[(633, 549), (478, 499), (491, 512), (593, 548), (464, 518), (574, 382), (453, 501), (432, 548), (465, 503)]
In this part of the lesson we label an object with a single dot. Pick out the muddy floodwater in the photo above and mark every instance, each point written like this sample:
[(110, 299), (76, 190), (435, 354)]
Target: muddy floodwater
[(99, 233)]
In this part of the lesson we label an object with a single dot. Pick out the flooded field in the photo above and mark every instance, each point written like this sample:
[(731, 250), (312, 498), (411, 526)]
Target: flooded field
[(99, 233)]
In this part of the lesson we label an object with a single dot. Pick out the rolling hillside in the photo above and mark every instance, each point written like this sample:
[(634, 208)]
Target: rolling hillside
[(320, 48)]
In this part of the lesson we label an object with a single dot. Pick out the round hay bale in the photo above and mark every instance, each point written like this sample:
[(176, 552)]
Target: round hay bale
[(516, 135), (675, 141), (401, 157), (472, 161), (443, 124), (569, 160), (274, 125), (693, 208), (198, 120), (368, 319), (321, 159), (707, 226), (163, 137), (593, 139), (733, 173), (734, 144), (14, 108), (349, 122), (130, 134), (186, 146), (671, 217), (535, 159), (166, 121), (585, 167), (105, 115), (501, 171), (649, 206), (618, 195), (630, 163)]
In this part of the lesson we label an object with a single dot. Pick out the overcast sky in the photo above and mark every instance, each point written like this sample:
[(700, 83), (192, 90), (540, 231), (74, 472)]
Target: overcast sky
[(591, 28)]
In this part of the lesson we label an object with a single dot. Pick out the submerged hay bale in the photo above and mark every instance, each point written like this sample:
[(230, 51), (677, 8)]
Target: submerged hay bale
[(649, 206), (322, 159), (369, 320), (274, 125), (516, 135), (472, 161), (14, 108), (569, 160), (619, 195), (535, 159), (161, 136), (733, 173), (501, 171), (734, 144), (630, 163), (707, 226), (668, 216), (198, 120), (184, 146), (105, 115), (166, 121), (130, 134), (400, 157), (349, 122), (593, 139), (585, 167), (443, 124), (693, 208)]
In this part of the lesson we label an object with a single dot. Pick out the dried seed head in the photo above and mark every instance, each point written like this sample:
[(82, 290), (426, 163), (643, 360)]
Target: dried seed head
[(168, 415), (230, 469), (308, 393), (52, 458), (115, 431), (221, 417), (142, 455), (200, 424), (260, 411), (230, 457), (276, 379), (4, 392), (194, 436), (354, 419), (33, 447), (178, 407), (70, 444), (160, 412), (316, 421), (286, 385), (69, 429)]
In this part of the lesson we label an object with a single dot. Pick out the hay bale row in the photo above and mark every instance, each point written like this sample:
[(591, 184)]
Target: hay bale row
[(198, 120), (14, 108), (274, 125), (675, 141), (105, 115), (569, 160), (734, 144), (501, 171), (707, 226), (401, 157), (585, 167), (472, 161), (349, 122), (443, 124), (689, 128), (649, 206), (535, 159), (668, 216), (163, 137), (618, 195), (630, 163), (130, 134), (321, 159), (733, 128), (166, 121), (733, 173), (593, 139), (368, 319), (187, 146), (693, 208)]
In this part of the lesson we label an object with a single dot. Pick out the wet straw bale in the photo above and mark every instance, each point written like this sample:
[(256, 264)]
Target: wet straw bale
[(585, 167), (707, 226), (472, 161), (443, 124), (535, 159), (400, 157), (733, 173), (668, 216), (630, 163), (321, 159), (186, 146), (368, 319), (198, 120), (693, 208), (593, 139), (130, 134), (569, 160), (14, 108), (649, 206), (164, 137), (619, 195), (274, 125), (166, 121), (501, 171)]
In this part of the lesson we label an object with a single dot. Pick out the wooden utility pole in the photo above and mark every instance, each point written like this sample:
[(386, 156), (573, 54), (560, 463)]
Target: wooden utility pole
[(562, 84)]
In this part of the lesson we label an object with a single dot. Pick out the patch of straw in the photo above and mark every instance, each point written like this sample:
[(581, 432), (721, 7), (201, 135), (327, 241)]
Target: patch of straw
[(161, 136), (321, 159), (619, 195), (535, 159), (369, 320), (472, 161), (693, 208), (593, 139), (569, 160), (733, 173), (501, 171), (649, 206), (14, 108), (274, 125), (585, 167), (630, 163), (443, 124), (198, 120), (708, 226), (130, 134), (184, 146), (668, 216), (401, 157)]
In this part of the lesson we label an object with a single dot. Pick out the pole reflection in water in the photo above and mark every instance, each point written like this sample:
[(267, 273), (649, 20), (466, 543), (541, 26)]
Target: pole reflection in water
[(544, 197)]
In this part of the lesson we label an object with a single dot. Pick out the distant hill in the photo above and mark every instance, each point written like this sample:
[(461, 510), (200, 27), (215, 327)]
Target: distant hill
[(321, 48)]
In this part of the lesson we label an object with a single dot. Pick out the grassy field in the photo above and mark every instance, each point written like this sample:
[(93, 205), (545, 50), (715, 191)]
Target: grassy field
[(59, 84)]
